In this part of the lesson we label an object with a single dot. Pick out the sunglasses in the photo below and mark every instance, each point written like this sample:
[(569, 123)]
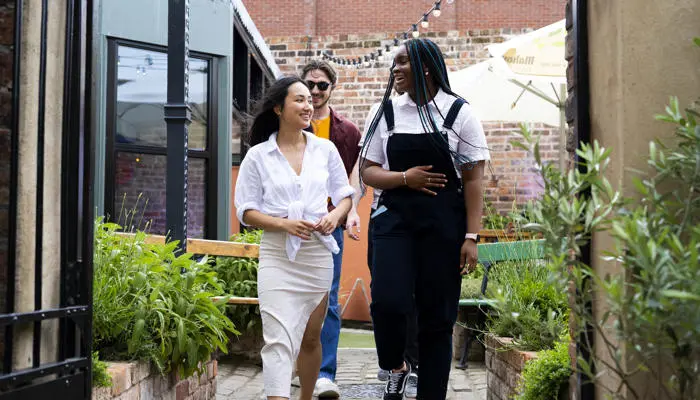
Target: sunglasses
[(322, 86)]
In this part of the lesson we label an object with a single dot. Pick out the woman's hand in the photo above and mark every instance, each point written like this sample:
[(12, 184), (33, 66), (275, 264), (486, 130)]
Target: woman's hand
[(469, 256), (352, 224), (418, 178), (298, 227), (328, 223)]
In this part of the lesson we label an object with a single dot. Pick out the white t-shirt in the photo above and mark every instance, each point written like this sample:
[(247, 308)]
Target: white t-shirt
[(267, 183), (466, 136)]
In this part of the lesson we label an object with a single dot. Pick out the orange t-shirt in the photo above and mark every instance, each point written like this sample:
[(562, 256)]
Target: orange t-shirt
[(322, 127)]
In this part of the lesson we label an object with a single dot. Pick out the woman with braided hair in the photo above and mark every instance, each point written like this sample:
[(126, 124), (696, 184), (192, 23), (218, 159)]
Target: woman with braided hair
[(426, 151)]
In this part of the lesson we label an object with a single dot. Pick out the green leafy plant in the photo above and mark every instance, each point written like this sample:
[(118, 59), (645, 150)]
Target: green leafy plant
[(471, 284), (152, 305), (529, 306), (100, 376), (240, 277), (546, 376), (650, 330), (492, 218)]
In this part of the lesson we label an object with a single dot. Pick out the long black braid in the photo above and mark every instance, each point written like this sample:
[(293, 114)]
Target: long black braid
[(422, 53)]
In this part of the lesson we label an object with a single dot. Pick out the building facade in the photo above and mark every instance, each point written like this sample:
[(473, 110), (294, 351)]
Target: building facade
[(229, 67)]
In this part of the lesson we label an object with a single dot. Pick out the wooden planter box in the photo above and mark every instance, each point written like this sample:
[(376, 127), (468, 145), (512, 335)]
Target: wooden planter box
[(504, 366), (138, 380)]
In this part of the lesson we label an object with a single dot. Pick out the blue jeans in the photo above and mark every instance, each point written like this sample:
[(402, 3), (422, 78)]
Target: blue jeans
[(330, 334)]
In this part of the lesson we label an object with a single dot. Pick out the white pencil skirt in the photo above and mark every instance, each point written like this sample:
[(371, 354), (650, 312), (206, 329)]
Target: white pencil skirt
[(288, 291)]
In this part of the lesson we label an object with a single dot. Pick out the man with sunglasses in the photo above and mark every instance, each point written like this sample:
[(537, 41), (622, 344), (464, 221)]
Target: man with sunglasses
[(321, 79)]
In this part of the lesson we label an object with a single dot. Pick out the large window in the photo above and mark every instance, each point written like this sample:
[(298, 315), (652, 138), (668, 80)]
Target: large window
[(137, 140)]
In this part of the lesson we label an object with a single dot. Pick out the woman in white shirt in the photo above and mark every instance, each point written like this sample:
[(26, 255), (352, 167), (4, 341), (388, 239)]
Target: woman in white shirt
[(283, 186)]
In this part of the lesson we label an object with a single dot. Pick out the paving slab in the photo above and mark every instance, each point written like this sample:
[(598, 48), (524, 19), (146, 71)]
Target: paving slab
[(356, 378)]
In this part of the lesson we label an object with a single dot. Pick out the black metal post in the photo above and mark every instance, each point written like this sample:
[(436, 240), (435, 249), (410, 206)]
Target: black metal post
[(177, 117), (586, 340)]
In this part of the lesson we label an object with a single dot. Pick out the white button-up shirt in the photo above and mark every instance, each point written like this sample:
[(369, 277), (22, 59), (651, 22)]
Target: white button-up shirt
[(267, 183), (466, 136)]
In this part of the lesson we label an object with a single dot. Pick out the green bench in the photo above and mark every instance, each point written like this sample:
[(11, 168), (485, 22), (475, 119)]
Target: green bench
[(489, 254)]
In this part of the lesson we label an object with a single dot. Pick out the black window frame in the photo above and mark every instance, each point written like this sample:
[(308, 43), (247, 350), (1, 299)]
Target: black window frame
[(210, 154)]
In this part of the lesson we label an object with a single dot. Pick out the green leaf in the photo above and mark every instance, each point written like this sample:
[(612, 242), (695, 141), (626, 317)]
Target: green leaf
[(679, 294)]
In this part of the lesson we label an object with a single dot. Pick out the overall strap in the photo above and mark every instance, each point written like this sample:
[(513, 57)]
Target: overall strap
[(452, 114), (389, 115)]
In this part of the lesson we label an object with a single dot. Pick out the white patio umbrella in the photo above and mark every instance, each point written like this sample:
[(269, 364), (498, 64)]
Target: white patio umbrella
[(496, 96), (524, 81)]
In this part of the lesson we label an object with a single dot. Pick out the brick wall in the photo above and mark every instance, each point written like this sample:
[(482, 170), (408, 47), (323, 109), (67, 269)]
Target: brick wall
[(509, 176), (137, 380), (504, 366), (331, 17), (7, 15)]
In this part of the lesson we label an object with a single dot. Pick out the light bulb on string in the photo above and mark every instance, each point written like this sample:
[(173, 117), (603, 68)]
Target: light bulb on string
[(405, 36), (424, 23), (436, 10), (415, 32), (396, 43), (366, 61)]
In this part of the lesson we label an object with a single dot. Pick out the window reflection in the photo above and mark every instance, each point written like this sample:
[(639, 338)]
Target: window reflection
[(140, 193), (142, 83)]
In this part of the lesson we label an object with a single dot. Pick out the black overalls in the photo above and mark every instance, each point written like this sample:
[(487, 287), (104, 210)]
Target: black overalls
[(416, 251)]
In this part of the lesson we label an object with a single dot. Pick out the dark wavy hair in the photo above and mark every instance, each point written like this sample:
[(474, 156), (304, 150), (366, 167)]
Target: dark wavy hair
[(266, 121)]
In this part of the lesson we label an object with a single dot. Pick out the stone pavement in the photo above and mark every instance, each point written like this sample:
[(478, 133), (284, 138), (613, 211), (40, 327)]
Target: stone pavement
[(357, 378)]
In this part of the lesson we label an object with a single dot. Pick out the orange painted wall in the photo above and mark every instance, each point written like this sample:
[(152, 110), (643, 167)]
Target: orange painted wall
[(355, 272)]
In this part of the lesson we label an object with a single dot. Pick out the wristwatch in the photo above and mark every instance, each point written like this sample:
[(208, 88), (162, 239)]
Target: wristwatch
[(473, 236)]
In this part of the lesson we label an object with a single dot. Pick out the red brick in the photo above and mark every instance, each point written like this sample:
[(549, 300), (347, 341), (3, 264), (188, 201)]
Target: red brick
[(182, 390)]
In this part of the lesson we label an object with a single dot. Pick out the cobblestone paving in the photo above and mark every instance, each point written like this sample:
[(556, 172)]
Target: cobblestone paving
[(357, 378)]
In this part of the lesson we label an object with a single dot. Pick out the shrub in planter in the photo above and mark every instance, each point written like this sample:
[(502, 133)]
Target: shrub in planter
[(152, 305), (530, 306), (240, 277), (471, 284), (546, 376), (649, 332)]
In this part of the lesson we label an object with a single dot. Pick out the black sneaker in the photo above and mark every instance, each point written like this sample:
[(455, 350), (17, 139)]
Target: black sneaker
[(396, 385)]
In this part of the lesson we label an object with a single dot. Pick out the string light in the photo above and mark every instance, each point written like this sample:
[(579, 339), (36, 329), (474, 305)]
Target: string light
[(424, 23), (436, 9), (380, 54)]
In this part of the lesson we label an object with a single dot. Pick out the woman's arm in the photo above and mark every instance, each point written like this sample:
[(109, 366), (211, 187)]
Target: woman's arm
[(416, 178), (473, 202), (339, 191), (249, 202), (265, 222)]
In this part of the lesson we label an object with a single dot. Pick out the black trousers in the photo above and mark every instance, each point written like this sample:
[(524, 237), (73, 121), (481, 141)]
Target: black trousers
[(411, 353), (415, 264)]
